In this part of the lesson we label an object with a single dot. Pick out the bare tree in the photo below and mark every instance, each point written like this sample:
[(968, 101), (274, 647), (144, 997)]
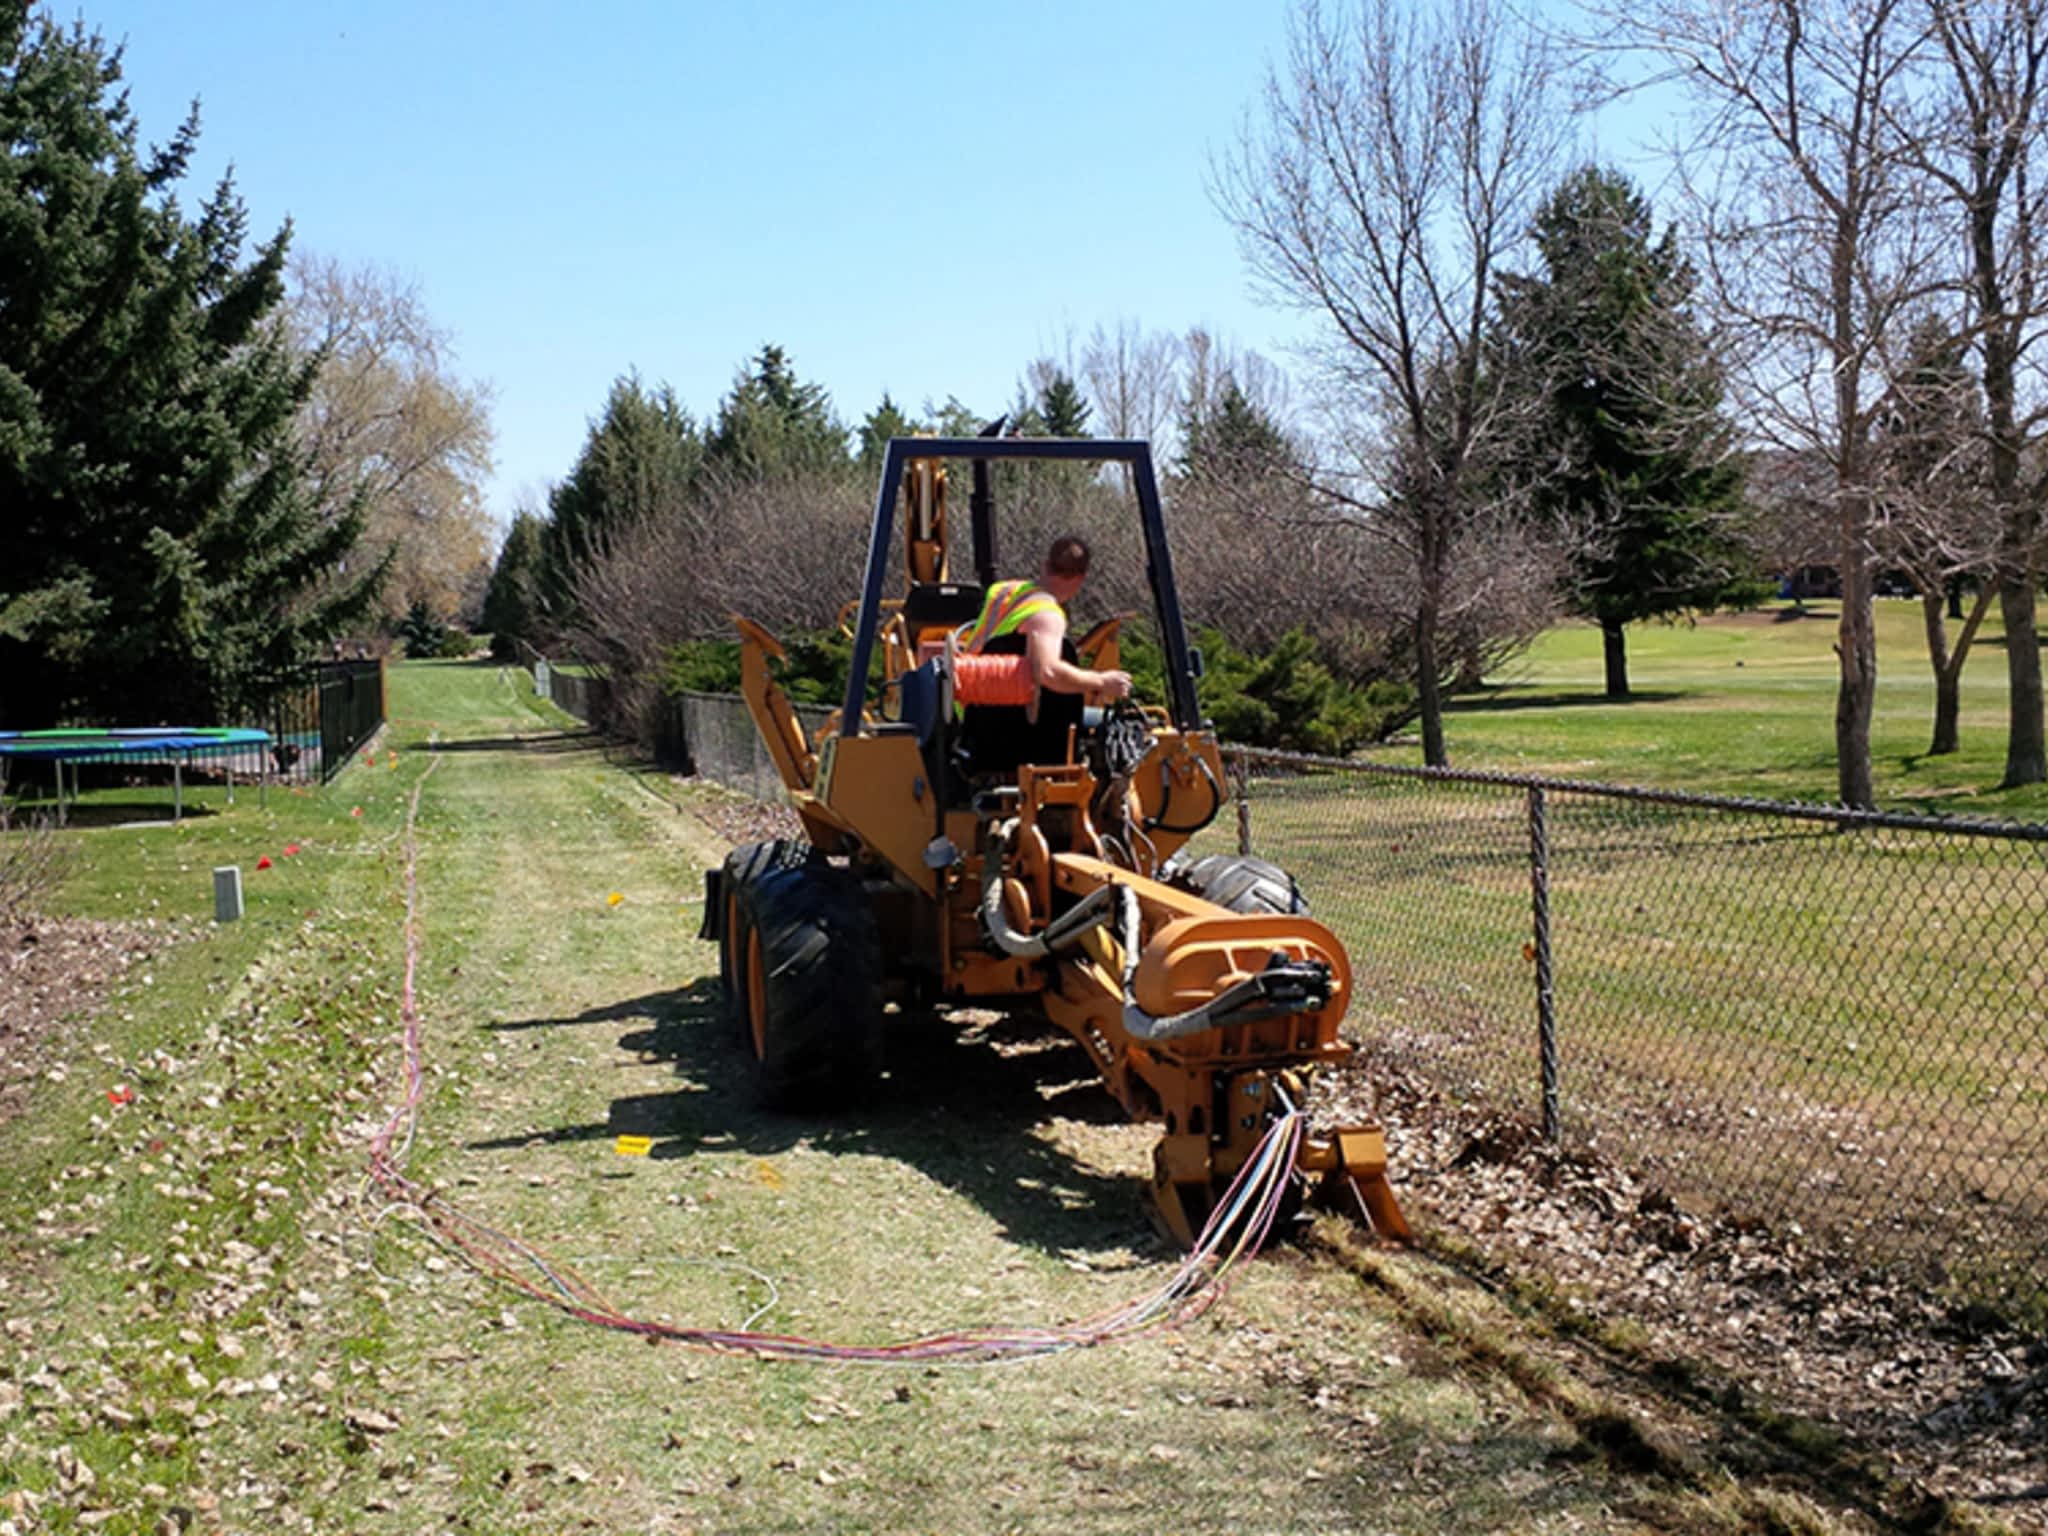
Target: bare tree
[(1936, 520), (1390, 172), (1132, 376), (389, 422), (787, 551), (784, 550), (1793, 497), (1982, 155), (1213, 366), (1814, 231)]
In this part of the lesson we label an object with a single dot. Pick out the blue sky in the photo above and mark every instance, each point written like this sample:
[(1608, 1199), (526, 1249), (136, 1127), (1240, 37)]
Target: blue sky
[(916, 197)]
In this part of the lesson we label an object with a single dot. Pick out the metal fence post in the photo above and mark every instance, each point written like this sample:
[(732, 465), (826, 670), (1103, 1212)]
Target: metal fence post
[(1546, 1002), (1241, 781)]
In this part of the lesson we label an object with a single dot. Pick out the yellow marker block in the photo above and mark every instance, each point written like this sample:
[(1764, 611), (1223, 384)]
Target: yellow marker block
[(615, 898), (768, 1174), (633, 1146)]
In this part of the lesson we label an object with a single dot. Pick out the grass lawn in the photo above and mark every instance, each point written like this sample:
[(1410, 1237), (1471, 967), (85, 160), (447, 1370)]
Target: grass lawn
[(208, 1328), (1744, 704)]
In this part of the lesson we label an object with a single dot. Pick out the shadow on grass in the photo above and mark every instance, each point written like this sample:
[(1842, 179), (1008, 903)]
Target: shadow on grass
[(553, 744), (968, 1101), (1493, 701), (92, 814)]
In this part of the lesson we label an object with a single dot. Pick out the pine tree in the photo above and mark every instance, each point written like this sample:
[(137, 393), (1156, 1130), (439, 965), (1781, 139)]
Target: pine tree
[(1628, 443), (1062, 409), (1233, 438), (164, 553), (773, 423), (883, 422), (512, 602), (642, 456)]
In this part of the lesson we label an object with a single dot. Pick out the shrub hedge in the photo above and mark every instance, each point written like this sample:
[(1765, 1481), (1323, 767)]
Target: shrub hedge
[(1284, 698)]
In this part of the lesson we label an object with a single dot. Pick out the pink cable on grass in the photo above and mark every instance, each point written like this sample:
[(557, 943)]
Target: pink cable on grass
[(1249, 1209)]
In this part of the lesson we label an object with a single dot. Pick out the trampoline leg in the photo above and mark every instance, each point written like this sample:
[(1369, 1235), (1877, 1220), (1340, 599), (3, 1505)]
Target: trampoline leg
[(231, 780), (177, 789)]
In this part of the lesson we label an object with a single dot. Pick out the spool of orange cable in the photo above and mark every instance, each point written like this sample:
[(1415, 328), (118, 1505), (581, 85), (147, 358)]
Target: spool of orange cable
[(993, 680)]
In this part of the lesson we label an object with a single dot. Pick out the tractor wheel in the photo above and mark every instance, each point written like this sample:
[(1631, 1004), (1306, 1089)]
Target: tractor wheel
[(1238, 882), (810, 979), (743, 866)]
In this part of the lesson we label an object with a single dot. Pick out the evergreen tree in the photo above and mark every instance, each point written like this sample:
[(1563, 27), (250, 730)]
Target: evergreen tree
[(1024, 418), (1062, 409), (955, 418), (163, 551), (512, 602), (1627, 442), (883, 422), (421, 631), (642, 456), (773, 423), (1233, 438)]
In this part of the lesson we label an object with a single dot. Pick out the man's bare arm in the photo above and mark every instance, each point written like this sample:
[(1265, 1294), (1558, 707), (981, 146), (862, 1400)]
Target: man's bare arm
[(1042, 636)]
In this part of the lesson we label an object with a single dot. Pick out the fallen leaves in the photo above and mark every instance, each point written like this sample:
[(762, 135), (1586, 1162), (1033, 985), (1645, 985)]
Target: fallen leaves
[(1878, 1354)]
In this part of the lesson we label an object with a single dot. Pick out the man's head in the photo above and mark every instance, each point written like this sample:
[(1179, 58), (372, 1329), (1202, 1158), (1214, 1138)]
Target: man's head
[(1066, 566)]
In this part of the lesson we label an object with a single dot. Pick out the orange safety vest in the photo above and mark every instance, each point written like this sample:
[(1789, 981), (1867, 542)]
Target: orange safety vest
[(1004, 610)]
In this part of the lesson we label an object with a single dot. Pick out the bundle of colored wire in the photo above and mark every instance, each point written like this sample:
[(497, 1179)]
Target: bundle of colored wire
[(1239, 1226)]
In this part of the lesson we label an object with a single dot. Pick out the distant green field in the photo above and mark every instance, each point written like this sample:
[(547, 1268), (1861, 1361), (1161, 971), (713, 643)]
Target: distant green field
[(1744, 704)]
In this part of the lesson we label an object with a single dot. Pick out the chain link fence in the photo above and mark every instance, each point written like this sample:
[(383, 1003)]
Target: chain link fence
[(713, 736), (707, 734), (1786, 1012), (573, 688), (1791, 1013)]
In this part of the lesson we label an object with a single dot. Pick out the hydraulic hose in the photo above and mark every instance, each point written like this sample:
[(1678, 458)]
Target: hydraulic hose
[(1159, 823), (1089, 913)]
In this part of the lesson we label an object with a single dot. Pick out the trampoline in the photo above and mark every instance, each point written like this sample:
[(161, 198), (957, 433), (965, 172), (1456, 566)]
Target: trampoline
[(229, 748)]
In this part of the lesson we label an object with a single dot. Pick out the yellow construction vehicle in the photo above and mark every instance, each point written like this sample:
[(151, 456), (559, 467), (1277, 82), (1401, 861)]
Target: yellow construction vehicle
[(937, 875)]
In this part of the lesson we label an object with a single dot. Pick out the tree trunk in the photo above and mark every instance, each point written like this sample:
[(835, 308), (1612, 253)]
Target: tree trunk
[(1429, 605), (1429, 695), (1947, 681), (1856, 649), (1614, 645), (1856, 634), (1955, 597), (2026, 754)]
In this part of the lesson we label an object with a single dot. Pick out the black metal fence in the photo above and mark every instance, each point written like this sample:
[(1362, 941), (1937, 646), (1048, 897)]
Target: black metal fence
[(1789, 1012), (319, 716)]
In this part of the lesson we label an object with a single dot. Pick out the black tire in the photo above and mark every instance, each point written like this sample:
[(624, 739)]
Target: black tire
[(809, 971), (1238, 882), (743, 866)]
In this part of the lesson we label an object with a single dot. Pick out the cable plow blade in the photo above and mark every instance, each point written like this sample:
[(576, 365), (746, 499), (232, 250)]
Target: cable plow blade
[(1351, 1164)]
